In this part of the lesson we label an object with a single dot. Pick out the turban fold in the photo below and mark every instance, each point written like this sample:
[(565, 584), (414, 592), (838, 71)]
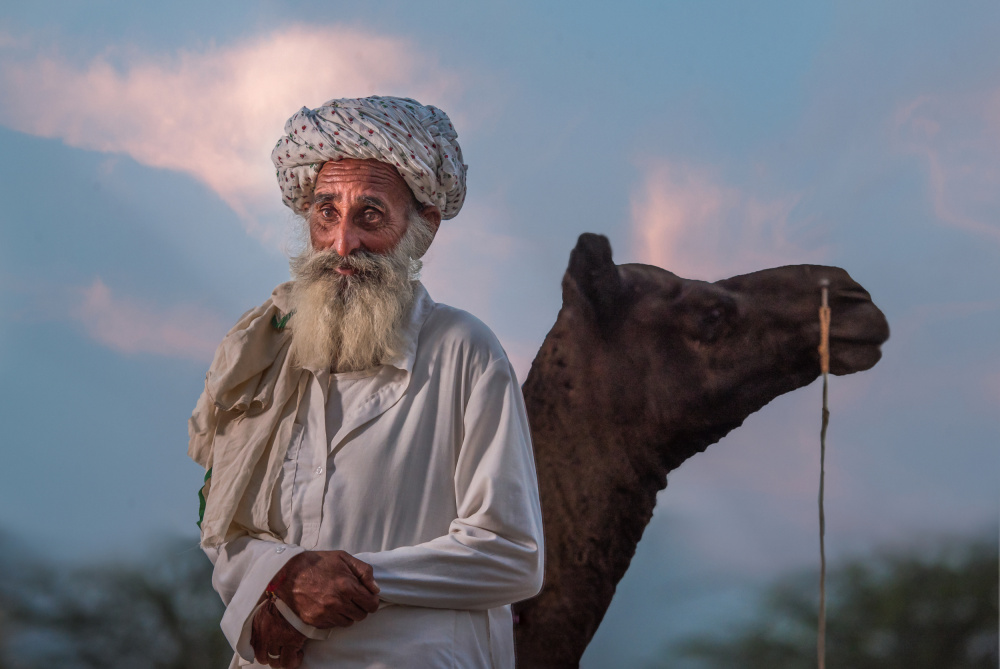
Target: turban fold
[(418, 140)]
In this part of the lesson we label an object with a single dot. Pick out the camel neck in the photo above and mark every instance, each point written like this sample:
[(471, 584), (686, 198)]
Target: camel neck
[(599, 486)]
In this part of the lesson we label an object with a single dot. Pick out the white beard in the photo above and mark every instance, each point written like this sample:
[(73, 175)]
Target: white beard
[(356, 322)]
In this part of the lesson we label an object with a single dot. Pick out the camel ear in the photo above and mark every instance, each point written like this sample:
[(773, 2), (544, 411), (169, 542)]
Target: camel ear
[(594, 276)]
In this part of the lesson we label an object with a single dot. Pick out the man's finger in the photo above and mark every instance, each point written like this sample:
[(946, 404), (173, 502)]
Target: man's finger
[(257, 639), (340, 620), (273, 657), (362, 596), (263, 656), (260, 655), (291, 657), (365, 600), (353, 611), (344, 612), (363, 571)]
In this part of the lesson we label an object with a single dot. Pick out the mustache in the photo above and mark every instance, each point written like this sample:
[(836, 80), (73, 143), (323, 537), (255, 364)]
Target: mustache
[(366, 264)]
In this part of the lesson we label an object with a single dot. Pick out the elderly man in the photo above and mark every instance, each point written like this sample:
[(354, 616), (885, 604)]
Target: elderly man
[(370, 496)]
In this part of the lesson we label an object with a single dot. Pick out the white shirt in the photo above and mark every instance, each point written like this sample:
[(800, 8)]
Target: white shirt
[(423, 469)]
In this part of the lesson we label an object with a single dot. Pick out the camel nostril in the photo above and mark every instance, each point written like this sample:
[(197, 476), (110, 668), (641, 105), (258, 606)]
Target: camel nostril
[(858, 294)]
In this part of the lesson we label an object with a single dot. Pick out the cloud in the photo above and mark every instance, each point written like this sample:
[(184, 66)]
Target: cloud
[(9, 41), (685, 221), (131, 327), (958, 141), (214, 114)]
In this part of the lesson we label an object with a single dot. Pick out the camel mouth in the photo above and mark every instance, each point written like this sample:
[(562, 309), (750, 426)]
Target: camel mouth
[(853, 339), (858, 347), (853, 355)]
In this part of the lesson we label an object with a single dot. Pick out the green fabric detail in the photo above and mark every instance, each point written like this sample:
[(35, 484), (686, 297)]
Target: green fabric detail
[(201, 496), (280, 323)]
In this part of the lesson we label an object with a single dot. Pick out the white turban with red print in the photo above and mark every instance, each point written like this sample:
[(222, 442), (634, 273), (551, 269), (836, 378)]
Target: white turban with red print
[(418, 140)]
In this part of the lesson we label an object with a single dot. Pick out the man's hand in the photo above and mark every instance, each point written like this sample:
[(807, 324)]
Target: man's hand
[(328, 588), (274, 641)]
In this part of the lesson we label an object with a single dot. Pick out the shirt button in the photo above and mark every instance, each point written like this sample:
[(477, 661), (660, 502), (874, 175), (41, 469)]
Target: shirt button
[(279, 549), (319, 470)]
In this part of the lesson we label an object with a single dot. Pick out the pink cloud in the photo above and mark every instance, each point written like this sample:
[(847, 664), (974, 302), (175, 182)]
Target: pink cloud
[(958, 142), (9, 41), (685, 221), (129, 326), (214, 113)]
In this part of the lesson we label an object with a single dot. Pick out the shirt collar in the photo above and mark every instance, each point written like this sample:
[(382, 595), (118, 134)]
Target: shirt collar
[(422, 307)]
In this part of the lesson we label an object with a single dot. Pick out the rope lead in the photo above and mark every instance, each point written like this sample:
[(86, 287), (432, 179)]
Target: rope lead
[(824, 365)]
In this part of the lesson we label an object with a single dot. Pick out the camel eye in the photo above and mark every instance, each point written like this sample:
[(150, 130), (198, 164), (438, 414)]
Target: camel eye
[(712, 319), (713, 324)]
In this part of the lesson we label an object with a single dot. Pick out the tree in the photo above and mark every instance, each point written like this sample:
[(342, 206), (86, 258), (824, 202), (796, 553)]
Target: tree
[(162, 614), (898, 610)]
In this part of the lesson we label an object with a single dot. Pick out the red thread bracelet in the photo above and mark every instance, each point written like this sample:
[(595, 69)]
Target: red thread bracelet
[(275, 583)]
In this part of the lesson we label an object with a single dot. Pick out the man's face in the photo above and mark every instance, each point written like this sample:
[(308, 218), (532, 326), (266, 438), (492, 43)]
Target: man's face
[(354, 284), (361, 205)]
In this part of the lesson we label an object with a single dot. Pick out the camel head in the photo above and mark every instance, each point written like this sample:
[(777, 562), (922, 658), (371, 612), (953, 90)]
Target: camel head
[(686, 361), (642, 370)]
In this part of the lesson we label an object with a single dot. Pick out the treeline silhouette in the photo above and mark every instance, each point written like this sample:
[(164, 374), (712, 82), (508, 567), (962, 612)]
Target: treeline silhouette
[(158, 614), (898, 609), (914, 609)]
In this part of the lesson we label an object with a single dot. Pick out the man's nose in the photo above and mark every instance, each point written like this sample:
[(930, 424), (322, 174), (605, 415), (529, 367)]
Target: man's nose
[(347, 239)]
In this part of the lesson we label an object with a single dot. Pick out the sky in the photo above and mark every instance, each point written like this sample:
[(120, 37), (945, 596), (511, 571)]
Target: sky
[(139, 219)]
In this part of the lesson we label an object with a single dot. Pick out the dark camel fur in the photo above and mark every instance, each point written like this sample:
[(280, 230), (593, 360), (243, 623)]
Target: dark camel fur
[(642, 370)]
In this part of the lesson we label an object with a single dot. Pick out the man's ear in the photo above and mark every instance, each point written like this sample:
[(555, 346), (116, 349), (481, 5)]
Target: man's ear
[(432, 215), (593, 276)]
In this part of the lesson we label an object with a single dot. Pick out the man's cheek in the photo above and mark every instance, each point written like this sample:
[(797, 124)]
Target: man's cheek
[(320, 231), (321, 239)]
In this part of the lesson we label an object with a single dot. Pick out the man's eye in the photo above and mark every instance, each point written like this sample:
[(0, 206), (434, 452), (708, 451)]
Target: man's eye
[(373, 216)]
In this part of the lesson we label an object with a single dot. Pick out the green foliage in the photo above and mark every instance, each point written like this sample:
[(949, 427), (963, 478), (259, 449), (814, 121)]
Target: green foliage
[(161, 614), (898, 610)]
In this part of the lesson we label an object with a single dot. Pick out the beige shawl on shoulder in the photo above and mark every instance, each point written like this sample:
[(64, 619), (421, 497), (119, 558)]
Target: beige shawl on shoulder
[(240, 428)]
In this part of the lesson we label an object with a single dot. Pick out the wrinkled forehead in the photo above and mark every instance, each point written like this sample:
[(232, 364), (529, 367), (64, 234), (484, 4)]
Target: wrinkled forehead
[(368, 173)]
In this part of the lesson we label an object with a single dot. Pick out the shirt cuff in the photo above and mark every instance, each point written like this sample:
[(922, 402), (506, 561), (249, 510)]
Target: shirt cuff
[(305, 629), (237, 621)]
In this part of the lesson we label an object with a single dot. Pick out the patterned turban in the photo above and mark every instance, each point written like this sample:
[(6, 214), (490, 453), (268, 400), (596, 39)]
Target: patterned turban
[(419, 140)]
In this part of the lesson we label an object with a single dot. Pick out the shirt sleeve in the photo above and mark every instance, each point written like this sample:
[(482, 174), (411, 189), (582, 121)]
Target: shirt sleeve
[(243, 568), (493, 552)]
